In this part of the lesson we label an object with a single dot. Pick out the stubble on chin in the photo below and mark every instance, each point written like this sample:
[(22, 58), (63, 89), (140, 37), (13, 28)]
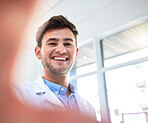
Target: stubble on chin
[(57, 71)]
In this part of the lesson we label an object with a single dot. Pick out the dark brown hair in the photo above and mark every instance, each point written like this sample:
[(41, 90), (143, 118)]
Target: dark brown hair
[(55, 22)]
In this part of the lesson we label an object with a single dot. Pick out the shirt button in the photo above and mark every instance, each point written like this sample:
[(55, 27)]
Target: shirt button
[(56, 92), (62, 89)]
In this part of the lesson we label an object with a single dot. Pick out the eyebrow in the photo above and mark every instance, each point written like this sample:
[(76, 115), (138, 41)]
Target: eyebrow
[(55, 39), (52, 39), (68, 39)]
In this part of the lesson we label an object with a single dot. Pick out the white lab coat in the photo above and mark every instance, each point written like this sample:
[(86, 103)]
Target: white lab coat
[(37, 94)]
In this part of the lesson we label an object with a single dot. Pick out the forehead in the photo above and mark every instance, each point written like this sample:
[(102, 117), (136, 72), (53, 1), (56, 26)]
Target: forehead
[(59, 33)]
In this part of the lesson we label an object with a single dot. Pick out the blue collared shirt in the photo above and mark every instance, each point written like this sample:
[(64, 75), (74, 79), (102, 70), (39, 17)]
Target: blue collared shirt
[(69, 103)]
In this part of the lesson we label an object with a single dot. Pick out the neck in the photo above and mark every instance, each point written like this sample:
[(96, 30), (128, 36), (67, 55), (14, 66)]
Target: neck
[(62, 80)]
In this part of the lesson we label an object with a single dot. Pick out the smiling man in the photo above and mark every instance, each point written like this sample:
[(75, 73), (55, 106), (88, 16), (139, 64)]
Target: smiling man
[(57, 50)]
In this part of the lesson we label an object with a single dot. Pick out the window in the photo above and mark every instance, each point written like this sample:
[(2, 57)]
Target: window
[(88, 88), (127, 83)]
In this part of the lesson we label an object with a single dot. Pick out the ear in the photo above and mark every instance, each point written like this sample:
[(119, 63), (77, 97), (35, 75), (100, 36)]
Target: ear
[(77, 52), (38, 52)]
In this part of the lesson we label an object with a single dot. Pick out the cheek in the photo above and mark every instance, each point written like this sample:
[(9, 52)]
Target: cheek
[(46, 52), (73, 53)]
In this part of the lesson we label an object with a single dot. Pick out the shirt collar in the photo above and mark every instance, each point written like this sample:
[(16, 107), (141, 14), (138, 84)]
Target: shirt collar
[(58, 89), (71, 88)]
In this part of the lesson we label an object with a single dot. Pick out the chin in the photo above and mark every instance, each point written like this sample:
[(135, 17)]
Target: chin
[(62, 72)]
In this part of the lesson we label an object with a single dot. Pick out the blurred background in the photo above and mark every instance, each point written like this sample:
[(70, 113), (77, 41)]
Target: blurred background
[(112, 64)]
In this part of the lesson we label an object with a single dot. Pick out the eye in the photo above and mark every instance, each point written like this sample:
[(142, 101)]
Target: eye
[(67, 44), (52, 44)]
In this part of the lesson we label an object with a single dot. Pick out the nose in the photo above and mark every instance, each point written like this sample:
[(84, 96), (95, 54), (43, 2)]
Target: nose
[(61, 49)]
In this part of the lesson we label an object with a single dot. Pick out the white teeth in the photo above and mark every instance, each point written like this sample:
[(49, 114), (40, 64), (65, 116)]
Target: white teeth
[(59, 58)]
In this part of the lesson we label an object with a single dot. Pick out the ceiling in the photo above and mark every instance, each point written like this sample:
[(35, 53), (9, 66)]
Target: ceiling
[(91, 17), (76, 10), (135, 38)]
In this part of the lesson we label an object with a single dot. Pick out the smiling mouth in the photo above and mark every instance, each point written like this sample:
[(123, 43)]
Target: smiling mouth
[(60, 58)]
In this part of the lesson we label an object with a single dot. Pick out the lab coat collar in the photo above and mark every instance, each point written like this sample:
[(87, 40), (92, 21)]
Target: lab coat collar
[(41, 88)]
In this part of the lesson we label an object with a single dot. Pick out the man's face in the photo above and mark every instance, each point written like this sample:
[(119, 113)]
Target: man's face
[(58, 51)]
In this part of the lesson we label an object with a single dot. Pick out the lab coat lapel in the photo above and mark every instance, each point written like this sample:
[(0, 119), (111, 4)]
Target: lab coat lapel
[(82, 104), (49, 95)]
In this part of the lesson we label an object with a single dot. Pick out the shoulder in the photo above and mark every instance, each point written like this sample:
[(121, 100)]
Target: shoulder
[(23, 87), (31, 93), (29, 86), (28, 90), (23, 91)]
